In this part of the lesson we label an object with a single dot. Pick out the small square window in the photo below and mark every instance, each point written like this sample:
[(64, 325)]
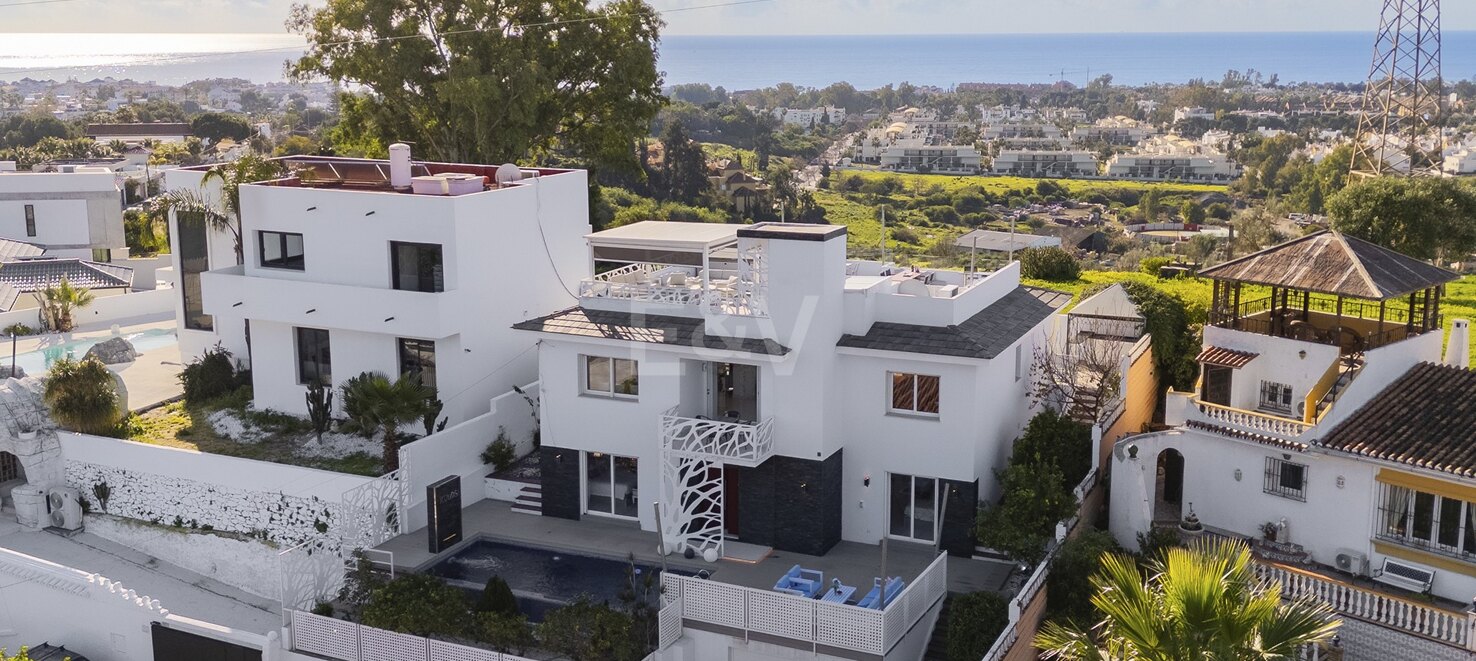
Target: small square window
[(615, 377), (281, 250), (1286, 479), (915, 393), (1276, 397)]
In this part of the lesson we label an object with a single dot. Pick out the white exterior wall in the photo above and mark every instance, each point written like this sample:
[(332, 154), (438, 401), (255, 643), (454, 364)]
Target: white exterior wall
[(75, 212), (230, 330)]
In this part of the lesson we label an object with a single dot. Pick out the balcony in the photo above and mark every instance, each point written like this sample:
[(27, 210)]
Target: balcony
[(1188, 409), (736, 442), (231, 292), (1352, 325), (694, 268), (721, 292)]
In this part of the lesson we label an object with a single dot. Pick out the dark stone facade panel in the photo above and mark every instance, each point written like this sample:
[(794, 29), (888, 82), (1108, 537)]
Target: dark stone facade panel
[(560, 481), (962, 503)]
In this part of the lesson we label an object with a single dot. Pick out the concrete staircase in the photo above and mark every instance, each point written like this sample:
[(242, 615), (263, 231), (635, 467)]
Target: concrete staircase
[(529, 500), (938, 645)]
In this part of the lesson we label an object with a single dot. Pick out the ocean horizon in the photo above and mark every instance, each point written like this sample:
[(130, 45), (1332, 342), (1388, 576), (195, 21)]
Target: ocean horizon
[(749, 62)]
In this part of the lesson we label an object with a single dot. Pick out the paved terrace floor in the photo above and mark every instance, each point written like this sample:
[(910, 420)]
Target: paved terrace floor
[(854, 563), (181, 591)]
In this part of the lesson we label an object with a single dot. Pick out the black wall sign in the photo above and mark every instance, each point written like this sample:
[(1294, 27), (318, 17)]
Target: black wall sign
[(176, 645), (443, 510)]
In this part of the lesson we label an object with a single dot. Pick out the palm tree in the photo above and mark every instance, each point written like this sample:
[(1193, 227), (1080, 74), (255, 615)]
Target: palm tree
[(224, 214), (376, 402), (1203, 602), (60, 301), (118, 146), (82, 396)]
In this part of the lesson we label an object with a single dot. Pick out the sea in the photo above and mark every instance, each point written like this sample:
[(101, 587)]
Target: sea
[(750, 62)]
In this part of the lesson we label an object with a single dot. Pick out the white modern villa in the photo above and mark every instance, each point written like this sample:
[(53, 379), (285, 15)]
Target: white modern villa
[(394, 266), (1325, 427), (765, 390), (76, 214)]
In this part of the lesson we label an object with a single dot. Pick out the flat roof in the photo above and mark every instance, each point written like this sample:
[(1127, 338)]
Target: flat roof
[(792, 231), (673, 235), (997, 241)]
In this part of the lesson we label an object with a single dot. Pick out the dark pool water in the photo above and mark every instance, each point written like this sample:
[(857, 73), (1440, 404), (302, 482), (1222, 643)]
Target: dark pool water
[(542, 579)]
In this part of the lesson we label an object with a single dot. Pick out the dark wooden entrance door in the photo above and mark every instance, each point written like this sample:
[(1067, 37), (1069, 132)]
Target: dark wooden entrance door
[(175, 645), (730, 499), (1217, 384), (1173, 476)]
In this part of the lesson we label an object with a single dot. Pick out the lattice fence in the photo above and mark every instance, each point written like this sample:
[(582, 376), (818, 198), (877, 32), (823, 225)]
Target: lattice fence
[(325, 636), (380, 645), (670, 623)]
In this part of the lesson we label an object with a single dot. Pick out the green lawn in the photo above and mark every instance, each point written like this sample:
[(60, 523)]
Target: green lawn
[(718, 150)]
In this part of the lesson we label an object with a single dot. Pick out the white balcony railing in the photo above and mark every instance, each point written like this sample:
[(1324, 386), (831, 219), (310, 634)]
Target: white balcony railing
[(1265, 424), (739, 443), (726, 291), (1449, 627)]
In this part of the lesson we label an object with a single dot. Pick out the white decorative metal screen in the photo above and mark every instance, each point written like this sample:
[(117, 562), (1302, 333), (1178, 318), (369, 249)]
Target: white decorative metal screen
[(714, 603), (373, 512), (849, 627), (325, 636), (443, 651), (380, 645), (310, 572), (692, 491), (750, 295)]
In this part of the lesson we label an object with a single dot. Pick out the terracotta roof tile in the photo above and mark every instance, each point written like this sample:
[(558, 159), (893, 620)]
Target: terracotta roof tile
[(1425, 418), (1225, 357)]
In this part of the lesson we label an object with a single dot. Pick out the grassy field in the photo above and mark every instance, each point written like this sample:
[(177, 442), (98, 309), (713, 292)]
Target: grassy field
[(717, 150), (951, 183), (1459, 301)]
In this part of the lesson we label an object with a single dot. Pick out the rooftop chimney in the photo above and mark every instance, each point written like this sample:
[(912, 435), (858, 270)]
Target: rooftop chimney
[(1458, 347), (399, 158)]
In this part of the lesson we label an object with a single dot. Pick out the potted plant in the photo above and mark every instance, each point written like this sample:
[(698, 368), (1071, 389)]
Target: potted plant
[(26, 427), (1191, 524), (1269, 530)]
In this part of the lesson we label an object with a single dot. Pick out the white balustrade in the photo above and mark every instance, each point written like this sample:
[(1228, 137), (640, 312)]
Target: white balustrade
[(1424, 620), (731, 442), (1250, 421)]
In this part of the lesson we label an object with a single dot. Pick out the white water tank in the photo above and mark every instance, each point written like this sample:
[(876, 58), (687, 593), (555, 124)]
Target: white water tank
[(399, 159), (30, 506)]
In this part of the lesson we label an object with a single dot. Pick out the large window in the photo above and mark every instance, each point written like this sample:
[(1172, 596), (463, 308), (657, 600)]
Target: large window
[(281, 250), (914, 507), (914, 393), (615, 377), (1276, 397), (30, 220), (611, 484), (418, 357), (417, 267), (1426, 520), (194, 259), (1286, 479), (314, 362)]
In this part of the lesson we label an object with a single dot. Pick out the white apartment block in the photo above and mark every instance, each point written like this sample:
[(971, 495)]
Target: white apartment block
[(1461, 160), (810, 117), (1173, 158), (394, 267), (1325, 428), (1020, 130), (1045, 162), (1113, 130), (1065, 114), (1181, 114), (70, 214), (763, 389), (1002, 113), (917, 155)]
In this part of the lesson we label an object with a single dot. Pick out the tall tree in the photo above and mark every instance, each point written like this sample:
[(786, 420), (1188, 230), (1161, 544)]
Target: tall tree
[(493, 80), (685, 165), (1203, 602), (1424, 218), (386, 405)]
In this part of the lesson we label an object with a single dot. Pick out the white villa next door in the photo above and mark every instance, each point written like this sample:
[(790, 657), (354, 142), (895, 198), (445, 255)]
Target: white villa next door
[(913, 508)]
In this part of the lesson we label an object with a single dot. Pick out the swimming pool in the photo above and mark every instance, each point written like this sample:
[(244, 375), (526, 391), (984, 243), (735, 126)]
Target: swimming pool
[(40, 360), (542, 579)]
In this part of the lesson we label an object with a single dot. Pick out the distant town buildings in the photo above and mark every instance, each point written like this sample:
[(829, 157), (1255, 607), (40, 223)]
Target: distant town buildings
[(1035, 162), (811, 117), (69, 214)]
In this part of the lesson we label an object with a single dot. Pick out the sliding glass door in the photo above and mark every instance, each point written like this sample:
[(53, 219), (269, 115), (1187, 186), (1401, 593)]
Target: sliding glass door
[(610, 485), (913, 510)]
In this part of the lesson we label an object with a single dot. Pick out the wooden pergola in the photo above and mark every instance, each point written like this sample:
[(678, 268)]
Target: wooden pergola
[(1329, 288)]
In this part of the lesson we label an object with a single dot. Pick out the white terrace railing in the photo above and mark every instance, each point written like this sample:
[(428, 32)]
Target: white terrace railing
[(809, 623), (745, 444), (1251, 421), (330, 638), (1440, 625)]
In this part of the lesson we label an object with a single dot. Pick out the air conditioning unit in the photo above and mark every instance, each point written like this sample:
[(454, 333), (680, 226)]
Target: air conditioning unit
[(64, 510), (1351, 561)]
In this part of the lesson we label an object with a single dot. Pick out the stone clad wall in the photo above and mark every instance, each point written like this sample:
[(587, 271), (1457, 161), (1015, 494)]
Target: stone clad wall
[(276, 517)]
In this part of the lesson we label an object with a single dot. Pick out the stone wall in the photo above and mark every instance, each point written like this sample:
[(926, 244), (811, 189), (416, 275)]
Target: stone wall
[(275, 517), (233, 559), (561, 482), (791, 504)]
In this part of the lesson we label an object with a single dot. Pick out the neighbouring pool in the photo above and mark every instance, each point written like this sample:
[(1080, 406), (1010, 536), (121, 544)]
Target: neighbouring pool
[(541, 579), (40, 360)]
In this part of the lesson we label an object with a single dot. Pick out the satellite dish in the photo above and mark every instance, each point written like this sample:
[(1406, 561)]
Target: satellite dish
[(508, 173)]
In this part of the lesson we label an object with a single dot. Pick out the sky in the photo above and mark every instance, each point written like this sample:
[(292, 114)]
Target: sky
[(771, 17)]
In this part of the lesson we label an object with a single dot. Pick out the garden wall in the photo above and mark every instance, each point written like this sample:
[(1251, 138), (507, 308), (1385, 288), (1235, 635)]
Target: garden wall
[(457, 451), (279, 503), (237, 561), (106, 310)]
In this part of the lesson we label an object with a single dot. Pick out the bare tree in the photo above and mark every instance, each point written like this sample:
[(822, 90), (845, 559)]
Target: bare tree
[(1084, 379)]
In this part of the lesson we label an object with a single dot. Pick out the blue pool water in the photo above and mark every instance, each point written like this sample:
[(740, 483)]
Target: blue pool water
[(541, 579), (40, 360)]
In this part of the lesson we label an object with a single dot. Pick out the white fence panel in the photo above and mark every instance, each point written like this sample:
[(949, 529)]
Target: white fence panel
[(779, 614), (380, 645), (714, 603), (849, 627), (444, 651), (669, 622), (325, 636)]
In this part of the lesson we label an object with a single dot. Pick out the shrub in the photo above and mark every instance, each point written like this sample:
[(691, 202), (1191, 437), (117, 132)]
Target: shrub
[(904, 235), (1152, 544), (19, 330), (504, 633), (82, 396), (1068, 587), (499, 452), (1055, 438), (1032, 502), (211, 375), (497, 598), (420, 605), (975, 620), (585, 631), (1050, 263), (1152, 265), (359, 583)]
